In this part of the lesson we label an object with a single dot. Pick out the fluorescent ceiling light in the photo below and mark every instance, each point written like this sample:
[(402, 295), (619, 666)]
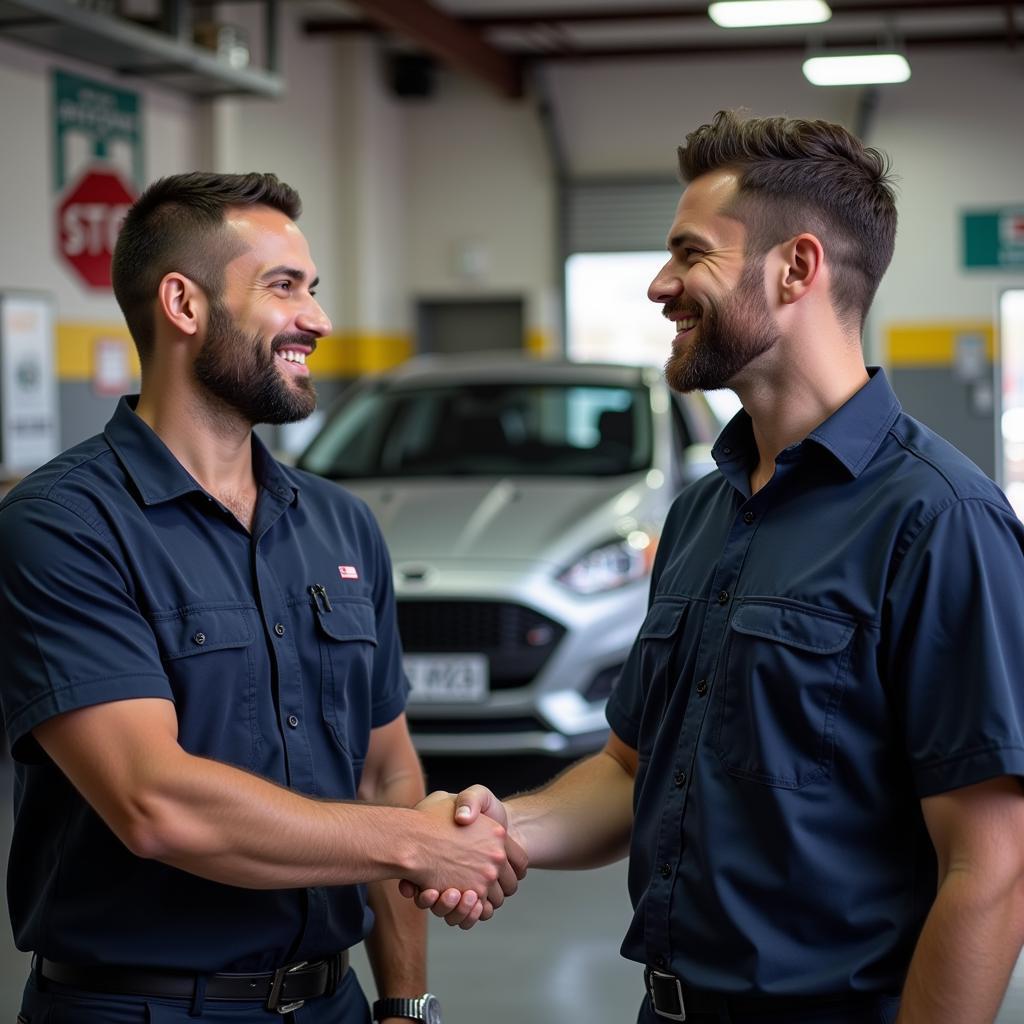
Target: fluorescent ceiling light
[(748, 13), (857, 69)]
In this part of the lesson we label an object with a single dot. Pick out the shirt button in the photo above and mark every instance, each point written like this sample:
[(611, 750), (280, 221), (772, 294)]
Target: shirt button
[(660, 961), (293, 721), (748, 517), (199, 638), (727, 451), (679, 778), (666, 870), (723, 596), (702, 687), (279, 629)]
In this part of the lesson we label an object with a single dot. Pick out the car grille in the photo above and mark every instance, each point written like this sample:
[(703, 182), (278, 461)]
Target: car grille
[(516, 640), (477, 726)]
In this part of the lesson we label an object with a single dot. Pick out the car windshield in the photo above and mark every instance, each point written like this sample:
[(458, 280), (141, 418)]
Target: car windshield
[(509, 429)]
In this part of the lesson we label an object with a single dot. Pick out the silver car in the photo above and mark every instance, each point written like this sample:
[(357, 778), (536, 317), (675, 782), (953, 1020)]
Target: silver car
[(522, 502)]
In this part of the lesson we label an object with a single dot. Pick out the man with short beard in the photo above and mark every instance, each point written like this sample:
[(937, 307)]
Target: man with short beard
[(203, 689), (818, 738)]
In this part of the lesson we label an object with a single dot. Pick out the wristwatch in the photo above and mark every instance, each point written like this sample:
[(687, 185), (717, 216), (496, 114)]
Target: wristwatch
[(425, 1008)]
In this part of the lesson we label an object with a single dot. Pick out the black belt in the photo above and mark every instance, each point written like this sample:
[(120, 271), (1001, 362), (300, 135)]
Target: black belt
[(283, 990), (671, 999)]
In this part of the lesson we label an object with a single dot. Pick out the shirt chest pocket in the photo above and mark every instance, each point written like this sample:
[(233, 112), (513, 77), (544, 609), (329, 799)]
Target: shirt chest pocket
[(207, 653), (347, 638), (780, 691)]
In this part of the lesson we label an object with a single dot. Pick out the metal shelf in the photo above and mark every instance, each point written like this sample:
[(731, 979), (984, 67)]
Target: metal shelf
[(131, 49)]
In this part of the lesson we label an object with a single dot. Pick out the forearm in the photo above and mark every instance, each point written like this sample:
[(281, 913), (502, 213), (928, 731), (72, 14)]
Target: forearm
[(224, 824), (397, 946), (966, 952), (583, 819)]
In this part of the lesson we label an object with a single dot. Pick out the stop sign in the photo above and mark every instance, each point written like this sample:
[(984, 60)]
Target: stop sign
[(88, 221)]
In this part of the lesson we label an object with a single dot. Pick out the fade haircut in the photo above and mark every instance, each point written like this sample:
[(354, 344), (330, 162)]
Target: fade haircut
[(177, 224), (814, 176)]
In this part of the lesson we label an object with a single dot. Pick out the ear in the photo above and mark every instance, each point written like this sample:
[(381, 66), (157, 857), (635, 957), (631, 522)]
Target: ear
[(804, 258), (182, 302)]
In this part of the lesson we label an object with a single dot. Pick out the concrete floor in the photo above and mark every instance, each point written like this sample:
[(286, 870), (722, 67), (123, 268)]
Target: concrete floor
[(550, 956)]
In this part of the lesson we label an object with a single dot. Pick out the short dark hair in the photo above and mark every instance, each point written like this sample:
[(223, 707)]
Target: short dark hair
[(177, 224), (797, 175)]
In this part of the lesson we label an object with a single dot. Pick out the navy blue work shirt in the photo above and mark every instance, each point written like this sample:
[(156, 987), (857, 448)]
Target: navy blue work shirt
[(122, 578), (816, 659)]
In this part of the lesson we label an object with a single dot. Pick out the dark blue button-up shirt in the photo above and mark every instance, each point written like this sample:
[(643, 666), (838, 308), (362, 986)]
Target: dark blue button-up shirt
[(817, 657), (122, 578)]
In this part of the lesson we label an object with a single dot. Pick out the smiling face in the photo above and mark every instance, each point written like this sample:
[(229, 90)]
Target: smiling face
[(265, 322), (713, 294)]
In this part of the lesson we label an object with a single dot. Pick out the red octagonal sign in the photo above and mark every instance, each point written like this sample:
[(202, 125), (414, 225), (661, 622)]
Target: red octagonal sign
[(88, 221)]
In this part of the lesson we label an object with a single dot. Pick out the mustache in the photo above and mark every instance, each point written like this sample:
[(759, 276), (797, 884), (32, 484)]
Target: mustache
[(680, 309), (294, 338)]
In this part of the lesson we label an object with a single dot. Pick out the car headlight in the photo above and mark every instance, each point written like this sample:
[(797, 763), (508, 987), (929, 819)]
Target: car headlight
[(612, 564)]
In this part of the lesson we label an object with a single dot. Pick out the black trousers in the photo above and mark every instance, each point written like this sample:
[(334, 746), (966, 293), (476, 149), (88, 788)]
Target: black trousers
[(880, 1011), (47, 1003)]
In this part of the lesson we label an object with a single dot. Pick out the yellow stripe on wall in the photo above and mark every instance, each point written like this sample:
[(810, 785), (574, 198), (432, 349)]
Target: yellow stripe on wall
[(353, 353), (339, 355), (77, 345), (934, 344), (538, 342)]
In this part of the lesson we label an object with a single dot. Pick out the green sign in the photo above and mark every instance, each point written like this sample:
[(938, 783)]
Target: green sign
[(994, 238), (95, 123)]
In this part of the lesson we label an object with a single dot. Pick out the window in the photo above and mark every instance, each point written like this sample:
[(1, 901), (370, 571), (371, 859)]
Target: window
[(1011, 420), (481, 429)]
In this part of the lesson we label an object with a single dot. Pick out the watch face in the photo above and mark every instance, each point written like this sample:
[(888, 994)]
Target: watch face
[(431, 1010)]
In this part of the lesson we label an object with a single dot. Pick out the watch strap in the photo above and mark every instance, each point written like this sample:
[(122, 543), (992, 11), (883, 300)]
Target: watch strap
[(412, 1009)]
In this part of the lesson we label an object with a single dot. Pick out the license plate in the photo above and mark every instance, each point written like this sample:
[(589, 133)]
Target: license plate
[(447, 678)]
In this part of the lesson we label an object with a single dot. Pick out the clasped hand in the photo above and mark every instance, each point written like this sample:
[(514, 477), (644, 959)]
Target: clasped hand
[(478, 864)]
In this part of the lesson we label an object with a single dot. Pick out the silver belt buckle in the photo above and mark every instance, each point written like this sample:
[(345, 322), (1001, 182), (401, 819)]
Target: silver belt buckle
[(664, 978), (273, 1002)]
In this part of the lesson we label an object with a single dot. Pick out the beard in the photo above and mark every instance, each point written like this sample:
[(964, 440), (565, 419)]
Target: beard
[(729, 335), (239, 370)]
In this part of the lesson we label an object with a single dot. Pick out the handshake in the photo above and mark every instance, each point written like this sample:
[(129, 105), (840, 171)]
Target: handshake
[(473, 862)]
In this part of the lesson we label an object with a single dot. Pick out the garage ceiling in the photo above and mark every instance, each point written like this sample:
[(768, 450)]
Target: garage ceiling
[(496, 39)]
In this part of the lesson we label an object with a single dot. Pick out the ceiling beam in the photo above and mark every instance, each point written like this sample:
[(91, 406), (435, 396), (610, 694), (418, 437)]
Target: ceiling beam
[(699, 12), (446, 38), (911, 42)]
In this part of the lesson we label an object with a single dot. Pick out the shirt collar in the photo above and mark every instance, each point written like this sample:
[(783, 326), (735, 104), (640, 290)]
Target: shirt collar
[(855, 430), (159, 476), (852, 434)]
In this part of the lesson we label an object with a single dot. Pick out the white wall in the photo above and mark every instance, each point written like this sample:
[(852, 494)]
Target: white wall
[(296, 138), (392, 189), (395, 190), (625, 118), (478, 173), (28, 256), (955, 133)]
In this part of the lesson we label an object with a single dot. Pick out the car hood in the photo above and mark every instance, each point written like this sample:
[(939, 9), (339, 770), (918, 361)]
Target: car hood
[(494, 518)]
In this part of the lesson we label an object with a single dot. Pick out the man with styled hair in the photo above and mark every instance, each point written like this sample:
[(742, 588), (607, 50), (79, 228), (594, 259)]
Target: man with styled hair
[(203, 689), (817, 741)]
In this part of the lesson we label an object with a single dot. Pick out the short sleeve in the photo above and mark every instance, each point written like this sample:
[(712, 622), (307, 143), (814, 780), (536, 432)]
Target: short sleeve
[(73, 636), (390, 685), (624, 710), (955, 647)]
